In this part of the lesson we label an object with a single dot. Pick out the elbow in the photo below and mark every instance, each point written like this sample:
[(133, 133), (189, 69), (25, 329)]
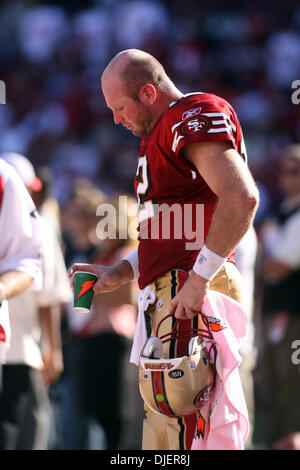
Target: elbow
[(241, 202), (252, 200), (249, 201)]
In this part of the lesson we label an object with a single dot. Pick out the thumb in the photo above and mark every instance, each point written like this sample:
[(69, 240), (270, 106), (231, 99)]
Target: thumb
[(98, 286)]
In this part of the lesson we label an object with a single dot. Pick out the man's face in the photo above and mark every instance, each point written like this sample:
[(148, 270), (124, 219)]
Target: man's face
[(289, 177), (132, 114)]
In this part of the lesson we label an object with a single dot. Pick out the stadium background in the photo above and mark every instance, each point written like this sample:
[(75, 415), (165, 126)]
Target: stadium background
[(52, 55)]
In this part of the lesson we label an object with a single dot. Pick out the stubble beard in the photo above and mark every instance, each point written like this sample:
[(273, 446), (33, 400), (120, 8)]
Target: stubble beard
[(144, 127), (140, 132)]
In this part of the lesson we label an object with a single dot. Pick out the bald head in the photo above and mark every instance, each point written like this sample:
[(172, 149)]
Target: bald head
[(135, 68), (137, 90)]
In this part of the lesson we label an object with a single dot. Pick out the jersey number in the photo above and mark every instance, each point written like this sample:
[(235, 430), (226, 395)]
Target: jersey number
[(145, 206)]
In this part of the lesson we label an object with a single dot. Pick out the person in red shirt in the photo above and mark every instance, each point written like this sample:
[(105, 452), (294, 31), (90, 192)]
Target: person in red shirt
[(192, 158)]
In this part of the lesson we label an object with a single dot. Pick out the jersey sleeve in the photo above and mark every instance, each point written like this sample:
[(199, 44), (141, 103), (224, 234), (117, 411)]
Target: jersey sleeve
[(20, 247), (212, 119)]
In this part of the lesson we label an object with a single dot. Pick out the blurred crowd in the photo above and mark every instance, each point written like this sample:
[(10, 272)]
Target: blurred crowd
[(53, 53), (51, 58)]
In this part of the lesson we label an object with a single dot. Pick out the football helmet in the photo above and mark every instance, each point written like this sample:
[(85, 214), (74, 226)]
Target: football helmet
[(179, 386)]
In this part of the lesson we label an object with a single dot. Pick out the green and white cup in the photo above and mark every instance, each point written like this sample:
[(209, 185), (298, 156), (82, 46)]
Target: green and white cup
[(83, 290)]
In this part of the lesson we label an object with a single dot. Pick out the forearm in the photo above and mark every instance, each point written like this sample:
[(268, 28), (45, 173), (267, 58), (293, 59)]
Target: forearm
[(15, 282), (125, 271), (128, 271), (232, 218), (133, 260), (110, 278), (50, 318)]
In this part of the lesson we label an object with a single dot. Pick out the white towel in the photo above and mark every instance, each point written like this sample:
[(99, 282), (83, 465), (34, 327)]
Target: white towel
[(146, 297)]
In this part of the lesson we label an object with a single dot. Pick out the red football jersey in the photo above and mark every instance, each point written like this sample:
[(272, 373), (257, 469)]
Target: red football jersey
[(173, 198)]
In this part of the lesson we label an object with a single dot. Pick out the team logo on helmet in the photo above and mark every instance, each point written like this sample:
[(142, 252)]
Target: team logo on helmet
[(203, 396)]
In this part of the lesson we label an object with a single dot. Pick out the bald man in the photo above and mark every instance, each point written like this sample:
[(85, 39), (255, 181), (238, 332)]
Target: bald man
[(192, 154)]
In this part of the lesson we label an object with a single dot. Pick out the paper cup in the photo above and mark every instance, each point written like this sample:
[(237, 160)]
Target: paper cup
[(83, 290)]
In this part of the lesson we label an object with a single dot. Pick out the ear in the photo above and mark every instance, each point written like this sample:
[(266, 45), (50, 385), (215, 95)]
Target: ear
[(148, 94)]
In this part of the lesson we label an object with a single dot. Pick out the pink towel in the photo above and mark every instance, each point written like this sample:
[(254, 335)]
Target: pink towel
[(224, 425)]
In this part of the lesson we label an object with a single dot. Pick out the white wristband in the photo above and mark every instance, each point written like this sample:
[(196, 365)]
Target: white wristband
[(208, 263), (133, 259)]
